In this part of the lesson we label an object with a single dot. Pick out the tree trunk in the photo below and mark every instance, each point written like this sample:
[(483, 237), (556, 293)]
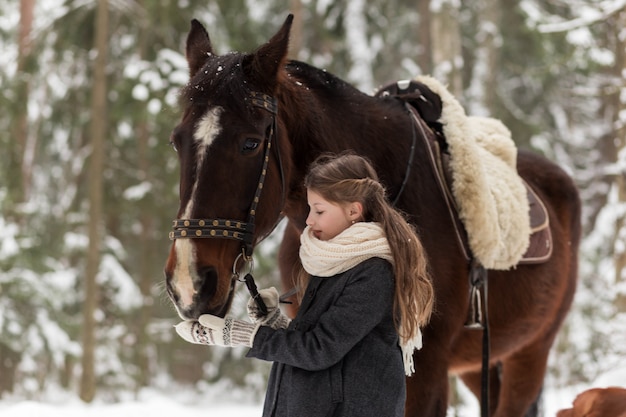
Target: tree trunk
[(11, 172), (446, 52), (616, 97), (25, 48), (295, 36), (424, 37), (9, 360), (96, 169), (146, 263), (483, 90), (17, 168)]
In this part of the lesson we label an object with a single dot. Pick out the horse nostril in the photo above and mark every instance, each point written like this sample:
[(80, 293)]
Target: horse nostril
[(207, 287)]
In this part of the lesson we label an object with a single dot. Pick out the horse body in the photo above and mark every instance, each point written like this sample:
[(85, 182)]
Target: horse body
[(319, 113)]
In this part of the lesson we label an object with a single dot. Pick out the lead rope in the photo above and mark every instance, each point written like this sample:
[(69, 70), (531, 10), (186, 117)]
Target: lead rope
[(248, 279)]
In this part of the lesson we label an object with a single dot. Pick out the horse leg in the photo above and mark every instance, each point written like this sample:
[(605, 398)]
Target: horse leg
[(536, 409), (427, 389), (522, 381), (473, 381)]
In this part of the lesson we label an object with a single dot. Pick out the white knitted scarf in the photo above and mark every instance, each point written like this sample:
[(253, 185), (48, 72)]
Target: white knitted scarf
[(359, 242)]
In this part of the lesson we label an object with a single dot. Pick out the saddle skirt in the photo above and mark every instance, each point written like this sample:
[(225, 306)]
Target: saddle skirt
[(500, 220)]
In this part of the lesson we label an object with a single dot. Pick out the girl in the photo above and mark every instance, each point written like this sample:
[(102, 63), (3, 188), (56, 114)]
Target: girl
[(366, 293)]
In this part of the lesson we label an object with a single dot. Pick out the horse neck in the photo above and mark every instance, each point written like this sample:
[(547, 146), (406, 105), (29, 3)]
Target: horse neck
[(380, 129), (325, 114)]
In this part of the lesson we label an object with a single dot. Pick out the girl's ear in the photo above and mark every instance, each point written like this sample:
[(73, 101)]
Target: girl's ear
[(355, 211)]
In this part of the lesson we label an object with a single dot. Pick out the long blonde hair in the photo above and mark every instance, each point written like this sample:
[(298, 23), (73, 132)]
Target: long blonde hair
[(348, 178)]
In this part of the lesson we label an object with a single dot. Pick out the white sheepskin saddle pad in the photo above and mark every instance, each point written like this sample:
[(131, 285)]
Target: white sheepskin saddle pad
[(490, 195)]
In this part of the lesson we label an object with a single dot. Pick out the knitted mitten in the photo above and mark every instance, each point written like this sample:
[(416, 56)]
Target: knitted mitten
[(215, 331), (274, 317)]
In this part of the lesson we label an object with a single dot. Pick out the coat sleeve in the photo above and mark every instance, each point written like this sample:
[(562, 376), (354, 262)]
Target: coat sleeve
[(364, 300)]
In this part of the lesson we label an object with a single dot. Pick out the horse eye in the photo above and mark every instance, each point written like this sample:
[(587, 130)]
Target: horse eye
[(173, 145), (250, 145)]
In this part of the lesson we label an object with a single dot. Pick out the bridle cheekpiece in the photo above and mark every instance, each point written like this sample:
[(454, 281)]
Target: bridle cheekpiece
[(242, 231)]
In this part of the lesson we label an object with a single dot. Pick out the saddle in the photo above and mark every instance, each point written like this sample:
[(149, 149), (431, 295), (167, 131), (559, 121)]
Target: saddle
[(426, 108), (540, 245)]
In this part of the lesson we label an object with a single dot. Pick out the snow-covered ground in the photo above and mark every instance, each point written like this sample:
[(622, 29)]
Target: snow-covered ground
[(154, 406), (178, 402), (156, 403)]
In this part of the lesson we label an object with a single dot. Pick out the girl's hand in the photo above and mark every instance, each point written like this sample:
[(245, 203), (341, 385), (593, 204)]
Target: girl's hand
[(216, 331), (274, 318)]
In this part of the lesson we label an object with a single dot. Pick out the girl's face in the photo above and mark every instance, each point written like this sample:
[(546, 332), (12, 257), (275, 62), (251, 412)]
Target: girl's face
[(328, 219)]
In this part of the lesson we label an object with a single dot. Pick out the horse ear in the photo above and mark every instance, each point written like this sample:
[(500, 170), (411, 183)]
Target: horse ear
[(270, 57), (199, 47)]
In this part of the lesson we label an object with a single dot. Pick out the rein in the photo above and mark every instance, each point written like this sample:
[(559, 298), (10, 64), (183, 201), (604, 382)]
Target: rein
[(242, 231), (409, 163)]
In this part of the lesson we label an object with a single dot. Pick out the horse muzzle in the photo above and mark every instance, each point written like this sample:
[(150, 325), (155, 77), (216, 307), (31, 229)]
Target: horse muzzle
[(192, 303), (196, 289)]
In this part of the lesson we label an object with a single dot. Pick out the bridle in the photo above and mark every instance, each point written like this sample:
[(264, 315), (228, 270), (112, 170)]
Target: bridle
[(242, 231)]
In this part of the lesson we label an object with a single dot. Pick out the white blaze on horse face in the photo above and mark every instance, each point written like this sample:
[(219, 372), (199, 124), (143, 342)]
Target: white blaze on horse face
[(186, 273), (207, 130)]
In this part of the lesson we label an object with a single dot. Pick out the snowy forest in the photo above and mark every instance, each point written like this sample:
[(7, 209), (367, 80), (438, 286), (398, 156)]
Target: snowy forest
[(89, 183)]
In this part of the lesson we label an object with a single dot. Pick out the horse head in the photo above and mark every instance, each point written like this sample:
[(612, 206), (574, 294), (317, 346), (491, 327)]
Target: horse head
[(232, 181)]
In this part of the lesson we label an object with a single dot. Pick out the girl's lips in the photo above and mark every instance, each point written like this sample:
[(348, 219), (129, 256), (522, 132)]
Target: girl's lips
[(317, 233)]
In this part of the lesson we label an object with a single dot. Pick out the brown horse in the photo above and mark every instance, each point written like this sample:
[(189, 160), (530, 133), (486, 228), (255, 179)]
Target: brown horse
[(251, 125)]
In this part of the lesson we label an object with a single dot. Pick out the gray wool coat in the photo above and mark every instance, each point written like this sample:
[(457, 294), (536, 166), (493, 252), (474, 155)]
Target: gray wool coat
[(340, 355)]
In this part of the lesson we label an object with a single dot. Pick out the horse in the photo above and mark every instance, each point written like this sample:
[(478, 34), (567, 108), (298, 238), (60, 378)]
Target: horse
[(253, 122)]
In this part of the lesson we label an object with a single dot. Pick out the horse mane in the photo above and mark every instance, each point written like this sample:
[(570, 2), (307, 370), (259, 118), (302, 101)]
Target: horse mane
[(217, 75), (306, 87), (320, 80)]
